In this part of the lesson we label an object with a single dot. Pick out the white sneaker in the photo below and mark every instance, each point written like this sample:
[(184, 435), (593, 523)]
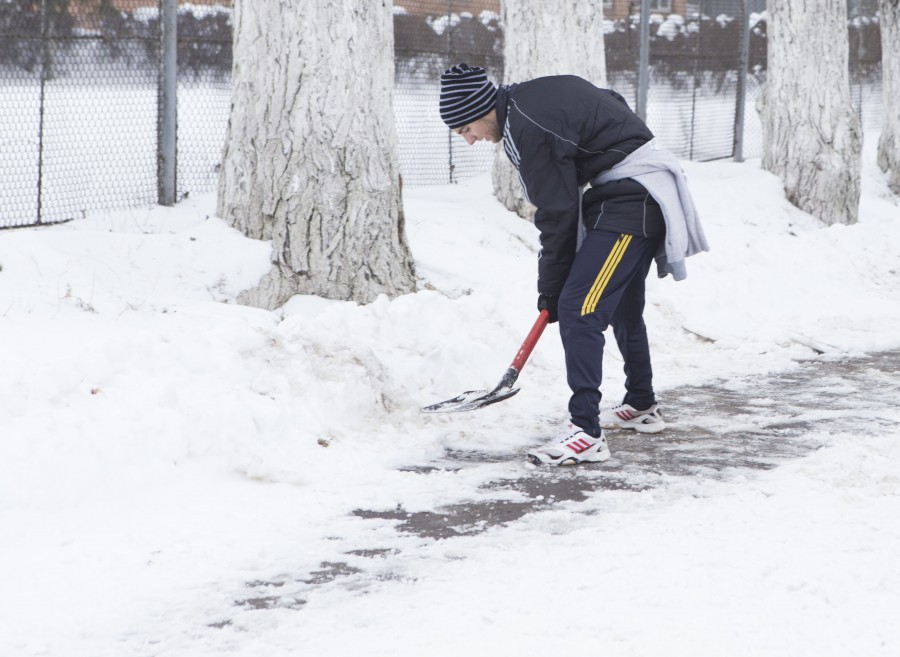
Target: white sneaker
[(570, 447), (627, 416)]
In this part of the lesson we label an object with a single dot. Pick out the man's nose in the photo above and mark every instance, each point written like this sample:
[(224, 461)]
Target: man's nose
[(470, 138)]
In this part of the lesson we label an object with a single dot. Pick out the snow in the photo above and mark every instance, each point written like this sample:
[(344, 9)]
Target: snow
[(147, 14), (441, 23), (489, 19), (166, 452), (671, 27)]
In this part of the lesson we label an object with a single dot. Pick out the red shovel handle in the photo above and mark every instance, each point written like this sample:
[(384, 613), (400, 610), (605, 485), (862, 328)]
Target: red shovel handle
[(525, 350)]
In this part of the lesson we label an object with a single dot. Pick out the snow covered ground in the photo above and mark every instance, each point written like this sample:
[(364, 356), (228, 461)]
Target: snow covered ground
[(166, 454)]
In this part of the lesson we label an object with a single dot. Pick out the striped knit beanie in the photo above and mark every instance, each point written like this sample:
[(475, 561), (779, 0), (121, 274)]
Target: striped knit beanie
[(466, 95)]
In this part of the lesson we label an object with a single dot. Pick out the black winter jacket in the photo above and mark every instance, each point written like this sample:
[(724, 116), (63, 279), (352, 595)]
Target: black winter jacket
[(560, 132)]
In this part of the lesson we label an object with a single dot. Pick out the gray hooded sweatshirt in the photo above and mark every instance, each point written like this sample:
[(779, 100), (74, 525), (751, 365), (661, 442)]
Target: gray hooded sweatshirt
[(661, 175)]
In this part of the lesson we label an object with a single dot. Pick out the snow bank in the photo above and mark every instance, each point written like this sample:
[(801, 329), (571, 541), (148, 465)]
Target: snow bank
[(160, 444)]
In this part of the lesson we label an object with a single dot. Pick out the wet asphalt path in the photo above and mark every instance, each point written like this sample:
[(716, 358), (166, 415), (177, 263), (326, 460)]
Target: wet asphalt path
[(745, 424), (728, 428)]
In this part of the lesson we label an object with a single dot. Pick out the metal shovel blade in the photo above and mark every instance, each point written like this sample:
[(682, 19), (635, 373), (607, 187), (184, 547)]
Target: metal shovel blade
[(469, 401)]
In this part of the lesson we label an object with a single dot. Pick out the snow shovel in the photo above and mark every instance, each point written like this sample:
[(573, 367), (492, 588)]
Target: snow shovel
[(469, 401)]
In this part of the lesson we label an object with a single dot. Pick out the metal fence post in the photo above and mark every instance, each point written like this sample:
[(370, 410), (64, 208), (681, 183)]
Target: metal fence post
[(449, 53), (45, 65), (741, 100), (167, 122), (644, 66)]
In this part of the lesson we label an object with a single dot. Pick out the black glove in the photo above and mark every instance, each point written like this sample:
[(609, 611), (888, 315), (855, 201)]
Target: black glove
[(551, 305)]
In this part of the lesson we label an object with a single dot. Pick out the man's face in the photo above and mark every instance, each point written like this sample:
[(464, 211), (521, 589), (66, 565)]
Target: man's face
[(485, 128)]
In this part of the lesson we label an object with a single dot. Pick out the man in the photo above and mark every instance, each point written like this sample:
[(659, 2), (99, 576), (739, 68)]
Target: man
[(562, 133)]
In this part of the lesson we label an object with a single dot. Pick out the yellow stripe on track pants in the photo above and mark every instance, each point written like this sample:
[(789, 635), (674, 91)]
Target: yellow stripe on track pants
[(606, 272)]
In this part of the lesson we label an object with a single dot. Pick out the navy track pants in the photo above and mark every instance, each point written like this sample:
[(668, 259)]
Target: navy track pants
[(606, 287)]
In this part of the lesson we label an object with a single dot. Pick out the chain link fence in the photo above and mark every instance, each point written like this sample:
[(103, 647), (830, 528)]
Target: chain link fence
[(77, 130), (80, 81), (865, 63), (430, 36), (694, 75), (204, 93)]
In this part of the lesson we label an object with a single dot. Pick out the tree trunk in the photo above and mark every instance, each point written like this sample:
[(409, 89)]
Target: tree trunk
[(889, 142), (310, 159), (541, 38), (812, 135)]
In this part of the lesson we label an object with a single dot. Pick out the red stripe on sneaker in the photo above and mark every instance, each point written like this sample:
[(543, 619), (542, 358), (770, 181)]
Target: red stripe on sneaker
[(580, 445), (625, 414)]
